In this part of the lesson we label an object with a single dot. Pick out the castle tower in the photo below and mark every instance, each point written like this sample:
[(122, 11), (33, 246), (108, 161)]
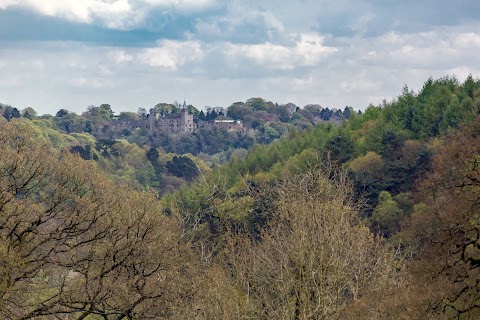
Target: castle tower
[(183, 119), (153, 119)]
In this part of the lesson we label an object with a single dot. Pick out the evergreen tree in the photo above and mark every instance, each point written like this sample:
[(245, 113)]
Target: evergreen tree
[(183, 167), (153, 157), (213, 115), (202, 116), (7, 114)]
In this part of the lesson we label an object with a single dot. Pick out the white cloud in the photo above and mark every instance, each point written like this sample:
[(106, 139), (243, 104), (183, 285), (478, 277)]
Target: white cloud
[(80, 11), (182, 4), (91, 82), (440, 49), (7, 3), (307, 52), (115, 14), (273, 22), (467, 40), (119, 56), (241, 24), (171, 54), (105, 71), (463, 71), (360, 24)]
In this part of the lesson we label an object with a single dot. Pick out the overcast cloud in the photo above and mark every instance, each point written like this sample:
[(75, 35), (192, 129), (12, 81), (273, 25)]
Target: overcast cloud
[(135, 53)]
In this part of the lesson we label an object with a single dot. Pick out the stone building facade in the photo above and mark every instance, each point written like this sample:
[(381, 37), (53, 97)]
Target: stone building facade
[(172, 123)]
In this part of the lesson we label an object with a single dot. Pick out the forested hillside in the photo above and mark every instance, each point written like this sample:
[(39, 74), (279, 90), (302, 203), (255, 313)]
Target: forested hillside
[(376, 217), (117, 142)]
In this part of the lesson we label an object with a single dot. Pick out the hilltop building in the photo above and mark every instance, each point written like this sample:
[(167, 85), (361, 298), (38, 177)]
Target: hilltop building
[(166, 122), (172, 123), (226, 124)]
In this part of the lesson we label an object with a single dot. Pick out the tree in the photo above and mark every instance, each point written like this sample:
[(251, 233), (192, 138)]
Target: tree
[(142, 113), (368, 164), (71, 122), (61, 113), (106, 110), (153, 157), (387, 216), (84, 152), (470, 85), (268, 135), (391, 146), (347, 112), (192, 110), (212, 115), (339, 149), (281, 112), (326, 113), (128, 116), (29, 113), (16, 113), (7, 113), (183, 167), (106, 147), (307, 115), (165, 108), (257, 104), (239, 110), (313, 108)]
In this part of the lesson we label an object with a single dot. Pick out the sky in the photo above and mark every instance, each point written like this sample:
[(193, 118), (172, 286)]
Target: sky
[(136, 53)]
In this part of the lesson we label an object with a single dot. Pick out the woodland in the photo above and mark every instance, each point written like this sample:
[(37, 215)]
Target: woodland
[(373, 217)]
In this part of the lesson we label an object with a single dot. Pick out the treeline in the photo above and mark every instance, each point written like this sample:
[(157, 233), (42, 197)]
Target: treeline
[(265, 122)]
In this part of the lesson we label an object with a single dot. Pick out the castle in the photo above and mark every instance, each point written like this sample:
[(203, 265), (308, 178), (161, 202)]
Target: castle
[(170, 123), (167, 122)]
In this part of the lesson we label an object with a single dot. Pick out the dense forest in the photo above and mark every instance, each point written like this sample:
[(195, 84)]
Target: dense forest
[(173, 159), (376, 216)]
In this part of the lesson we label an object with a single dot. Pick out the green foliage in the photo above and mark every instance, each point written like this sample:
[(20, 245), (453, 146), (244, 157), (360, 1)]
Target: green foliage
[(61, 113), (257, 104), (239, 110), (192, 110), (128, 116), (71, 122), (339, 149), (164, 108), (387, 216), (10, 113), (153, 156), (183, 167), (84, 152)]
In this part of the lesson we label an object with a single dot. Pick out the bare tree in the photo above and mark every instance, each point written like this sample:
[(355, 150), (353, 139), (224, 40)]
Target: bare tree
[(315, 257), (74, 244)]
